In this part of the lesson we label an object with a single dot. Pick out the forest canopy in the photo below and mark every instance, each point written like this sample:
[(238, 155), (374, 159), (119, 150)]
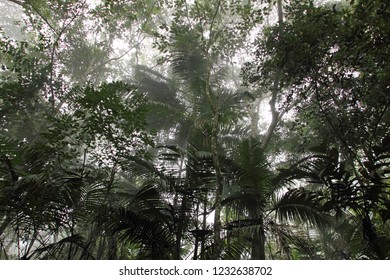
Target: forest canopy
[(194, 129)]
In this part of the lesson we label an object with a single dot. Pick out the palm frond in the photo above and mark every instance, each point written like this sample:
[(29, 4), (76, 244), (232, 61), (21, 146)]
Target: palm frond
[(302, 206), (63, 249), (293, 242), (153, 235), (253, 173)]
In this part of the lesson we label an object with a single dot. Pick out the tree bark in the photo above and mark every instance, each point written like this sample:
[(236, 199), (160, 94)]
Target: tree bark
[(258, 243), (218, 192), (275, 89)]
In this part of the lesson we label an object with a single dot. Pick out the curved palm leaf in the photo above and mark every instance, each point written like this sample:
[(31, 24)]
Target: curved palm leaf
[(302, 206), (61, 249), (153, 235), (252, 174)]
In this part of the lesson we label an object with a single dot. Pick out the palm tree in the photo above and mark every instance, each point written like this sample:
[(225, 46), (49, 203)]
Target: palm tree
[(357, 198), (257, 204)]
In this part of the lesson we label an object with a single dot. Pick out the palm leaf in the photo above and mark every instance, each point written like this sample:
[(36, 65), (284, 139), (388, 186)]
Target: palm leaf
[(253, 177), (301, 206), (153, 235), (60, 249)]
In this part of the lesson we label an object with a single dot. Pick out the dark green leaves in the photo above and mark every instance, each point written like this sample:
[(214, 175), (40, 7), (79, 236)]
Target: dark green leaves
[(111, 117)]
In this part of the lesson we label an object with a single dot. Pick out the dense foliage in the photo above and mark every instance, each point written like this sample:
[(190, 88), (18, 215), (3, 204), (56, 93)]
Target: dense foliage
[(141, 130)]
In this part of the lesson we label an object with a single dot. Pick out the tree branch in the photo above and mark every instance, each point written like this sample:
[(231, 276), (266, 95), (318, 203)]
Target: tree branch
[(275, 114), (275, 89), (55, 45), (36, 10)]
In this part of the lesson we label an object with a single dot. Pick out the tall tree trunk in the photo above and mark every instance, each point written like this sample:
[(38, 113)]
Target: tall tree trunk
[(181, 225), (275, 89), (214, 106), (219, 189), (258, 238), (258, 243), (204, 226)]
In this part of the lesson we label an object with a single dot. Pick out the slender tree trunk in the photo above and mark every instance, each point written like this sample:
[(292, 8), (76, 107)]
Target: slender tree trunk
[(219, 190), (181, 225), (204, 226), (254, 116), (111, 239), (258, 243), (112, 248), (274, 112), (275, 89), (196, 234), (214, 106), (182, 220)]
